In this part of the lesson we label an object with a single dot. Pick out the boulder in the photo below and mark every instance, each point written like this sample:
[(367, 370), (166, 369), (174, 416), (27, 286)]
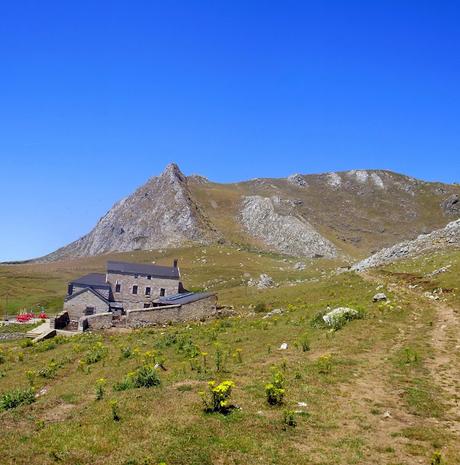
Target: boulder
[(332, 317), (379, 297)]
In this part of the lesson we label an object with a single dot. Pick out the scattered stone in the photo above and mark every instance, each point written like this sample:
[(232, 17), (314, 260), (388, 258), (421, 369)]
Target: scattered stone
[(379, 297), (301, 404), (276, 311), (265, 281), (443, 269), (299, 266), (283, 346), (386, 415)]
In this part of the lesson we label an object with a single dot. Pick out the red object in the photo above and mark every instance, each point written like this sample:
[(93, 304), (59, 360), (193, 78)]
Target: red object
[(24, 317), (43, 316)]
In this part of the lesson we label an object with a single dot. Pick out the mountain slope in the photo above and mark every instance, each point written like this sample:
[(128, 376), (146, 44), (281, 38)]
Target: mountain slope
[(161, 213), (439, 239), (350, 213)]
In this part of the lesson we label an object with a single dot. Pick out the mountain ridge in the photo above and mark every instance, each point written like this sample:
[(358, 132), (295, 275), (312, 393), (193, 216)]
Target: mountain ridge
[(348, 213)]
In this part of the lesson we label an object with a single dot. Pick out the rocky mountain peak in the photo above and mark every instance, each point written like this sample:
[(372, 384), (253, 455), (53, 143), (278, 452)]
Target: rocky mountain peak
[(173, 173)]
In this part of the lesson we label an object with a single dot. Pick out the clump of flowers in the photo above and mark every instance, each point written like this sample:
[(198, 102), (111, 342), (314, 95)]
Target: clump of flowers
[(96, 352), (324, 364), (237, 356), (217, 400), (115, 410), (275, 391), (100, 383)]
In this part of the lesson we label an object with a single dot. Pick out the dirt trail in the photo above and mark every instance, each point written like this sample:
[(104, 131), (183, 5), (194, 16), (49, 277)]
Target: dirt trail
[(445, 342)]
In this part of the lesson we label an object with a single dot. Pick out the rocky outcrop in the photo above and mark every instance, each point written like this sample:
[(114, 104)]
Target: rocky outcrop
[(451, 205), (439, 239), (273, 221), (161, 213)]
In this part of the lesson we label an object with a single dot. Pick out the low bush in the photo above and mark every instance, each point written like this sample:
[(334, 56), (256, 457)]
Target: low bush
[(17, 397), (144, 376), (261, 307), (289, 419)]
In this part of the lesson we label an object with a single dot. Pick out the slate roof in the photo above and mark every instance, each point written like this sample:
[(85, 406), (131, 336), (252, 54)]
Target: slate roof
[(181, 299), (87, 289), (92, 280), (157, 271)]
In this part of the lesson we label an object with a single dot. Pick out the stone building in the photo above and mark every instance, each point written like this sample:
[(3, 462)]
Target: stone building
[(123, 287)]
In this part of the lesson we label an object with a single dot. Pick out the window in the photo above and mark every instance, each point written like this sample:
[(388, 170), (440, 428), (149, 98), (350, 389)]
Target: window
[(147, 291), (117, 287), (146, 305), (70, 289), (135, 289), (162, 292), (149, 277), (89, 310)]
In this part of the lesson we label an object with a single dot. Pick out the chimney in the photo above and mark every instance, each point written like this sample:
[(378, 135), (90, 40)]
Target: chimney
[(175, 263)]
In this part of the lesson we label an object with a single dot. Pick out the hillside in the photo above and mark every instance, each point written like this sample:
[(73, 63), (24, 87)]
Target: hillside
[(352, 213), (380, 390)]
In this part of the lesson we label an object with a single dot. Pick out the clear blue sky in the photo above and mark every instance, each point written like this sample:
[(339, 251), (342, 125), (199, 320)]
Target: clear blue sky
[(96, 97)]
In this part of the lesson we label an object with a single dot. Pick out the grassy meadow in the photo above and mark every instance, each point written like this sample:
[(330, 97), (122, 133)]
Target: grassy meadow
[(366, 393)]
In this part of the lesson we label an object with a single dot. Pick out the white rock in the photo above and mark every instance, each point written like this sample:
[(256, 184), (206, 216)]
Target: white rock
[(331, 317), (283, 346), (379, 297)]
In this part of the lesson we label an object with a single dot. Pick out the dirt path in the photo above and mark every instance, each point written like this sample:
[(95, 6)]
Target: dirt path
[(445, 342), (444, 366)]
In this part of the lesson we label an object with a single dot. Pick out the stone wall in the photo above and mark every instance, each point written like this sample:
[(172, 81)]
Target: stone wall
[(95, 322), (198, 310), (60, 321), (76, 306), (127, 281)]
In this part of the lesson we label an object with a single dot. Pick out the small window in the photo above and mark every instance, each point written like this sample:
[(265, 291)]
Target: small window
[(147, 291), (135, 289), (118, 287), (162, 292), (89, 310), (136, 276), (149, 277), (146, 305), (70, 289)]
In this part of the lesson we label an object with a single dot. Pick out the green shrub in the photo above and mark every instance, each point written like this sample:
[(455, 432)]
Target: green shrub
[(305, 343), (275, 391), (2, 356), (217, 400), (144, 376), (289, 419), (17, 397), (26, 343), (126, 352), (261, 307)]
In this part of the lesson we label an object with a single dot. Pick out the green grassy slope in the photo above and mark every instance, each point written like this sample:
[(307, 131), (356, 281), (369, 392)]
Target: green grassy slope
[(348, 379)]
